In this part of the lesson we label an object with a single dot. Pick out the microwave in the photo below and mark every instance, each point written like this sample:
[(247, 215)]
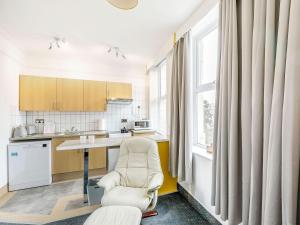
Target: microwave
[(142, 125)]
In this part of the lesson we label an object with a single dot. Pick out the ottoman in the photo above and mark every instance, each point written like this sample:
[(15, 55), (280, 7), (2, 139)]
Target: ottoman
[(115, 215)]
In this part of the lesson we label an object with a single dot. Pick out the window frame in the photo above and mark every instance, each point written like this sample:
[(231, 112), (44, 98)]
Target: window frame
[(197, 87), (160, 98)]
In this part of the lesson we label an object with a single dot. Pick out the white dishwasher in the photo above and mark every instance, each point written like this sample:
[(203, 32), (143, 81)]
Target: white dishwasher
[(29, 164)]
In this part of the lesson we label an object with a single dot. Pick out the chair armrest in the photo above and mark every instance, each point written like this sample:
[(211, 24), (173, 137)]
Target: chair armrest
[(155, 182), (110, 181)]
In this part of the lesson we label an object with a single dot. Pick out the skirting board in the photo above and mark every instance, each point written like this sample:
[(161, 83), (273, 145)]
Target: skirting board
[(3, 191), (197, 206)]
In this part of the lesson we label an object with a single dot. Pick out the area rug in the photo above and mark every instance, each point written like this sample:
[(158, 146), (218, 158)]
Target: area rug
[(45, 204)]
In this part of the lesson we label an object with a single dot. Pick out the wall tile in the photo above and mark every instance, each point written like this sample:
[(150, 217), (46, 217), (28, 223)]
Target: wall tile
[(86, 121)]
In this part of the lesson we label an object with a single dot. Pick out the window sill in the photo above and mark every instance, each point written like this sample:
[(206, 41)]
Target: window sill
[(202, 152)]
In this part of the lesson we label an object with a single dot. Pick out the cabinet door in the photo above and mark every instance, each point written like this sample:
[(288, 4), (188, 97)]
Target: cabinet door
[(97, 158), (37, 93), (119, 90), (66, 161), (69, 95), (94, 96)]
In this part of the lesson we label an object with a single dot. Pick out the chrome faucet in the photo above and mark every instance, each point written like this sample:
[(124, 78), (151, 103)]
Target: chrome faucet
[(73, 129)]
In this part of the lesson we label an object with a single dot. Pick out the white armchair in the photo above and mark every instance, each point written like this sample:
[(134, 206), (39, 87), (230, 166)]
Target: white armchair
[(137, 176)]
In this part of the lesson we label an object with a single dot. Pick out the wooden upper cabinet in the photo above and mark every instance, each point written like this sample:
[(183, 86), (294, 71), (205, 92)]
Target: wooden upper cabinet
[(69, 95), (117, 90), (37, 93), (94, 96)]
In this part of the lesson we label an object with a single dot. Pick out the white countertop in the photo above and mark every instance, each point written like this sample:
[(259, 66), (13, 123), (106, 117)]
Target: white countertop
[(101, 143), (144, 131)]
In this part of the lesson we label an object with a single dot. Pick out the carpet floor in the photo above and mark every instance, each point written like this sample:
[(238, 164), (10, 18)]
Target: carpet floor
[(172, 209)]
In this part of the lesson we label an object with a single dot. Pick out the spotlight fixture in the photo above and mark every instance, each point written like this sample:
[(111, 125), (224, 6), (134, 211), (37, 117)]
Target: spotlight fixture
[(116, 51), (57, 42), (124, 4)]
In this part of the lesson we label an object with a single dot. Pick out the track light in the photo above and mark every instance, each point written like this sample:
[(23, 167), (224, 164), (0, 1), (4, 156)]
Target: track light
[(116, 51), (58, 42)]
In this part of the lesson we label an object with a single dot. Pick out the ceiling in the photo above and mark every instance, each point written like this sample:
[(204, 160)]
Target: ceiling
[(93, 25)]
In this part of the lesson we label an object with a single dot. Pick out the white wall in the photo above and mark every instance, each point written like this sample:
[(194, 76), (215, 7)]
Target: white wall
[(204, 8), (200, 188), (10, 67)]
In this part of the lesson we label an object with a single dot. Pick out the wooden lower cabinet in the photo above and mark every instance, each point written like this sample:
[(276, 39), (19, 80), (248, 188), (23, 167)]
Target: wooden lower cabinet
[(97, 158), (72, 161)]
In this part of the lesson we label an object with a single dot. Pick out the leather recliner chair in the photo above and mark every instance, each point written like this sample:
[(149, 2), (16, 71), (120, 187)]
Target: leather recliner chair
[(137, 176)]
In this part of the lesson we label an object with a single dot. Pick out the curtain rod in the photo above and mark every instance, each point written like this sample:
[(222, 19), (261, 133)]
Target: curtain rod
[(168, 53), (160, 62)]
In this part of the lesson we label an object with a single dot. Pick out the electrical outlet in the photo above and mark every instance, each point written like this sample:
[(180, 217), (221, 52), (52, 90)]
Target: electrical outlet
[(123, 120), (39, 120)]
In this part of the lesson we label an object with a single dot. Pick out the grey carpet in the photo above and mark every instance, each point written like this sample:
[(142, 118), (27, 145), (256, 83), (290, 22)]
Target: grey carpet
[(172, 209)]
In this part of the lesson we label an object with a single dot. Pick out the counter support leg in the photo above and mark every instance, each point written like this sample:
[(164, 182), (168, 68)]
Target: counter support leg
[(86, 174)]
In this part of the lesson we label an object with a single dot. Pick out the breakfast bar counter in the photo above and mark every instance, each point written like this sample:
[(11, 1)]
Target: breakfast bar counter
[(101, 143)]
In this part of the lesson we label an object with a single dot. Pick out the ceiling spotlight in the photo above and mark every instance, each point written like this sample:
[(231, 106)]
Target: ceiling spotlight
[(58, 42), (124, 4), (116, 51)]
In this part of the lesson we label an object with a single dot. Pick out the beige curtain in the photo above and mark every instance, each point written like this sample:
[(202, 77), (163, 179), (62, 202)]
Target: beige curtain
[(180, 108), (257, 128)]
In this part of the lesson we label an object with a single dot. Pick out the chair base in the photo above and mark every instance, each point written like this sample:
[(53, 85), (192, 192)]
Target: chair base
[(150, 214)]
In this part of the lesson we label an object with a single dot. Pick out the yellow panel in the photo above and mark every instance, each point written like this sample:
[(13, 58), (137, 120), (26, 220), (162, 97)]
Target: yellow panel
[(170, 183)]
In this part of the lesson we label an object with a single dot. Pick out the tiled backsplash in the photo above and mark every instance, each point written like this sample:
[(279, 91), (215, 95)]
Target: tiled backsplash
[(87, 121)]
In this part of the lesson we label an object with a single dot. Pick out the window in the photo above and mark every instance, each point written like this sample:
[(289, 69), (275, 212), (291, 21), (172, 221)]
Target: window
[(205, 45), (158, 98)]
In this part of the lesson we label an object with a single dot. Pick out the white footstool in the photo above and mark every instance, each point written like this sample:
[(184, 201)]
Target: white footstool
[(115, 215)]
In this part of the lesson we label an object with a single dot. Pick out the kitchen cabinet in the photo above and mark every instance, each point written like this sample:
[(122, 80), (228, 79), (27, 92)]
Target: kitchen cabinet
[(66, 161), (69, 95), (72, 161), (117, 90), (94, 96), (37, 93), (97, 158)]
